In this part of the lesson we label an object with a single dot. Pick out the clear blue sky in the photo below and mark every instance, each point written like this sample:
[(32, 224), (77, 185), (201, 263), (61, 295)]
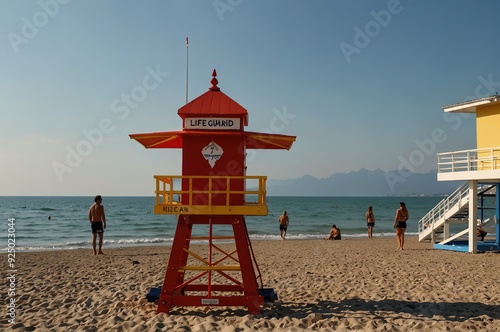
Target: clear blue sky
[(359, 83)]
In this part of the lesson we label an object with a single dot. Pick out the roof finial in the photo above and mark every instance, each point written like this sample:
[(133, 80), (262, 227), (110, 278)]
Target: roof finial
[(214, 82)]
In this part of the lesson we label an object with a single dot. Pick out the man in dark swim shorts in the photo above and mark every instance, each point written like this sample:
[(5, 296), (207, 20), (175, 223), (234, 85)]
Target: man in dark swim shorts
[(97, 227), (283, 220), (370, 221), (98, 223)]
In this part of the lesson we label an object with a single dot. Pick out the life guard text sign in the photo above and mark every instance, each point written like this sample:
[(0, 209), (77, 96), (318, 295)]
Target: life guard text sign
[(212, 123)]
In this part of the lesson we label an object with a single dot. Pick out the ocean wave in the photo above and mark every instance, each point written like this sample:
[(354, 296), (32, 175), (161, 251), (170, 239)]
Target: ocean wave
[(138, 241), (43, 248), (113, 243), (321, 236), (77, 243)]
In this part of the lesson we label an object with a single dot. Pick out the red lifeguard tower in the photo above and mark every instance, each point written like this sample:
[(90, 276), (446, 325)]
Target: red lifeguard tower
[(213, 193)]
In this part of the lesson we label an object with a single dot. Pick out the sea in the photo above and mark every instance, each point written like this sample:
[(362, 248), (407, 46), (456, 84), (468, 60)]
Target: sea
[(57, 223)]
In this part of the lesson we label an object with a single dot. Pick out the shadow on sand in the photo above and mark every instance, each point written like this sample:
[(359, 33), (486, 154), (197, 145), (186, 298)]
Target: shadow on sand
[(446, 311)]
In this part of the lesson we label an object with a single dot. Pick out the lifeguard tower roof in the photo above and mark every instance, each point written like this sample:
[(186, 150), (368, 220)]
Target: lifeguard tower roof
[(214, 103), (471, 105), (174, 139)]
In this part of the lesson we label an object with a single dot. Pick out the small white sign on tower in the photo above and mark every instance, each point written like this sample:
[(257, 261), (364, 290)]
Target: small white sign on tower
[(212, 152)]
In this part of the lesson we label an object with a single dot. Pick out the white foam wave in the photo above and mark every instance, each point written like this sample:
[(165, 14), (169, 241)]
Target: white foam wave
[(168, 241)]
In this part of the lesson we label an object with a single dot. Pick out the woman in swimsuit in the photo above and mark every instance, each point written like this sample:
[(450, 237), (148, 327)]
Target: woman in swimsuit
[(400, 224)]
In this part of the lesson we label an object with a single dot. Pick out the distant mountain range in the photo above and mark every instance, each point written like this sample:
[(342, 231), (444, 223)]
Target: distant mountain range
[(364, 183)]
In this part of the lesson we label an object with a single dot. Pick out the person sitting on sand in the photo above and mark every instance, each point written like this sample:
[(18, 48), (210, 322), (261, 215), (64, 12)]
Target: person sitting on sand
[(481, 232), (334, 234)]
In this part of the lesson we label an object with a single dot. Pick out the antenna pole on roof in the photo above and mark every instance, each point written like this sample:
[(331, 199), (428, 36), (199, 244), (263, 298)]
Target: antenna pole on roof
[(187, 68)]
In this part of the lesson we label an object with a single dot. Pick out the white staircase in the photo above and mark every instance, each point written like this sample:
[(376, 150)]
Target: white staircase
[(454, 209)]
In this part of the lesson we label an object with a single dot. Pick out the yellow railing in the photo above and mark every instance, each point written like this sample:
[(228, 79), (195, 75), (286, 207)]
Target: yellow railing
[(469, 160), (177, 194)]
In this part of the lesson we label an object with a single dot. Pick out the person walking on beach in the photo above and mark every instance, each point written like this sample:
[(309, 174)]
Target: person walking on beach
[(370, 221), (98, 223), (283, 220), (400, 224)]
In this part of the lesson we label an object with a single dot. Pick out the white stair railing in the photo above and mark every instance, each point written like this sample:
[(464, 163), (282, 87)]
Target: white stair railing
[(437, 216)]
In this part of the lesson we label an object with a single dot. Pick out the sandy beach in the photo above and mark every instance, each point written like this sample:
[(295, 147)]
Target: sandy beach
[(347, 285)]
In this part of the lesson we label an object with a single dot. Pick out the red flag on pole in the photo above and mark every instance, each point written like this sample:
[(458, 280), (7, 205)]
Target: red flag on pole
[(187, 42)]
